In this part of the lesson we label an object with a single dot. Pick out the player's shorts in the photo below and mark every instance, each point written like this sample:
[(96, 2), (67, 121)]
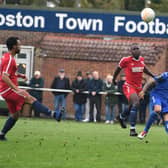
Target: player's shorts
[(157, 100), (14, 101), (128, 90)]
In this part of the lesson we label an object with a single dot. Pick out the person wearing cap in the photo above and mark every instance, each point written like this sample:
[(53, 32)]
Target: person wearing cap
[(37, 82), (60, 82), (79, 99)]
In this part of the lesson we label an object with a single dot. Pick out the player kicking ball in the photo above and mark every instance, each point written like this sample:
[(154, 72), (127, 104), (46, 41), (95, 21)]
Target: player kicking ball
[(15, 97), (159, 98), (134, 67)]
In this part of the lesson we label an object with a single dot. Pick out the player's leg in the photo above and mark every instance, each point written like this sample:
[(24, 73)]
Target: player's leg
[(152, 118), (39, 106), (15, 103), (9, 124), (164, 113), (156, 103), (134, 101), (127, 90), (124, 115), (165, 117)]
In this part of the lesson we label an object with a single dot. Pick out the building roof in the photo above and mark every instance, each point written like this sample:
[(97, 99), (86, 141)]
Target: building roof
[(79, 47), (98, 49)]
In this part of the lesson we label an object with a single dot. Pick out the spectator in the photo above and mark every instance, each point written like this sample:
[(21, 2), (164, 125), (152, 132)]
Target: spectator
[(87, 105), (110, 99), (60, 82), (37, 82), (95, 86), (123, 103), (79, 99)]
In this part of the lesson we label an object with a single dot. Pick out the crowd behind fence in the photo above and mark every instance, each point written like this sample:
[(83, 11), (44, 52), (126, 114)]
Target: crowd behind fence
[(119, 106)]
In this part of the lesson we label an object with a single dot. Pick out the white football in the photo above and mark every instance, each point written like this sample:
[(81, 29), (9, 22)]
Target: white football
[(147, 15)]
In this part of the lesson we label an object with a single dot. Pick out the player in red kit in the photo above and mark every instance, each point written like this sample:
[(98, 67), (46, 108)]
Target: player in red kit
[(15, 97), (134, 67)]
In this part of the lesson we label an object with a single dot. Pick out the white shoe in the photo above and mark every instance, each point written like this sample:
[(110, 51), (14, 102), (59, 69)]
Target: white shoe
[(142, 135), (85, 120), (107, 122), (111, 122)]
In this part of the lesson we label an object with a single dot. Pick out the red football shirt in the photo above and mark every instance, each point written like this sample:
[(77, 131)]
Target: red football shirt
[(133, 70), (8, 66)]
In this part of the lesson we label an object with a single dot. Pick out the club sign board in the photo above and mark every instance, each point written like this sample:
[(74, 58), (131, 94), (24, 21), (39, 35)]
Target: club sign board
[(82, 23)]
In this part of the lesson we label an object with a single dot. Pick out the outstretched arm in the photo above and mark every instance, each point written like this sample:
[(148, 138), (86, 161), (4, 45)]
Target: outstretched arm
[(150, 84), (116, 72), (146, 71)]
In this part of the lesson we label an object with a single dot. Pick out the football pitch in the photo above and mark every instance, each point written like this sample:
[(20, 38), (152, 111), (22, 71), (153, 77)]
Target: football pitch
[(44, 143)]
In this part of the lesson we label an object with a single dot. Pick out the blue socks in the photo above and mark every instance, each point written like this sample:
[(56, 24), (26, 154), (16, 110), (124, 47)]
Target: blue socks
[(153, 116), (10, 122), (166, 126), (41, 108), (125, 113), (133, 116)]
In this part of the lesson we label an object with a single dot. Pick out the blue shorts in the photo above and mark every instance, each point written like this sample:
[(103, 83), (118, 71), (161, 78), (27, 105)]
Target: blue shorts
[(156, 100)]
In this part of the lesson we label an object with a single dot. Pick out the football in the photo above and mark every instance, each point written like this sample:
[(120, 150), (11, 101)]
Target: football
[(147, 15)]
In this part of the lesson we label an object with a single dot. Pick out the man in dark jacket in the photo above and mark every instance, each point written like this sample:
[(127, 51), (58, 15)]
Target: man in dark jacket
[(95, 86), (78, 86), (60, 82), (37, 82)]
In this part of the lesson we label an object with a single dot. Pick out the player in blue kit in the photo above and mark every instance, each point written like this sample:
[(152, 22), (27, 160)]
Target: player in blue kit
[(159, 97)]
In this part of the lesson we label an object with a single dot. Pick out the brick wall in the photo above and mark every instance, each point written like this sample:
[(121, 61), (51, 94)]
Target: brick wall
[(160, 65), (50, 68)]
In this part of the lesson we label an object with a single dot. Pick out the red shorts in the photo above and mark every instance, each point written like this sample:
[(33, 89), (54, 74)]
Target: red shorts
[(14, 101), (129, 90)]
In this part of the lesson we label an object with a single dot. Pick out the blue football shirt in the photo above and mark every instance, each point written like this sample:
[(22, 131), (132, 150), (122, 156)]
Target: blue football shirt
[(161, 88)]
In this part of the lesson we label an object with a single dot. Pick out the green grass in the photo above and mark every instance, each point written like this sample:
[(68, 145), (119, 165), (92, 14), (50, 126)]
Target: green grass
[(40, 143)]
